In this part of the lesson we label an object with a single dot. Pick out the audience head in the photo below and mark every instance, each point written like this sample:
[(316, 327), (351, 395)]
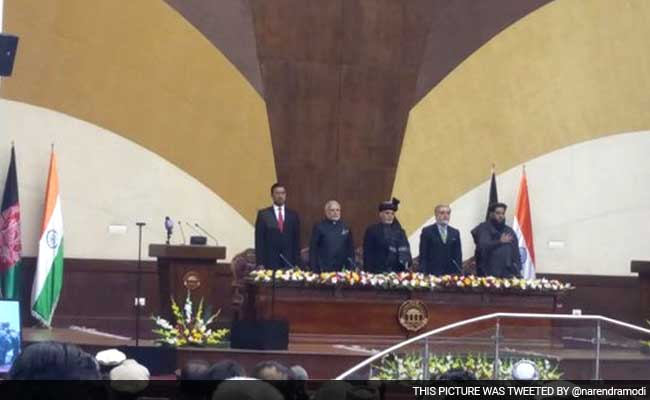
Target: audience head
[(246, 390), (345, 391), (194, 370), (271, 371), (299, 373), (54, 361), (525, 370), (129, 377), (194, 379), (225, 369), (457, 374)]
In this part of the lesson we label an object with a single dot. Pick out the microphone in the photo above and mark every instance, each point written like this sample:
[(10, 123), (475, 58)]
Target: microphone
[(169, 227), (207, 233), (182, 233), (460, 270), (284, 260)]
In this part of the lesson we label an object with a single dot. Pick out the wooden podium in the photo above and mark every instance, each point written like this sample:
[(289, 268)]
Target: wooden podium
[(186, 267)]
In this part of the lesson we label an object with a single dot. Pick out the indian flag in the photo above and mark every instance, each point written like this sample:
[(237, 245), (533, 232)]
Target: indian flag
[(523, 227), (48, 279)]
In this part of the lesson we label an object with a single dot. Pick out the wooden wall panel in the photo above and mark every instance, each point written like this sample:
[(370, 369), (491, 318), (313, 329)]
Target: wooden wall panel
[(340, 79)]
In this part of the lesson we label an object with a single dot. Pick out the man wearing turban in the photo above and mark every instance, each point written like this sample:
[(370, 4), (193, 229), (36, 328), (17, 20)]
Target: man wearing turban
[(385, 246)]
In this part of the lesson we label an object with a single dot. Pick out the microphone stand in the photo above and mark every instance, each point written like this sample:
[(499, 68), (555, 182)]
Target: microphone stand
[(353, 264), (138, 285), (460, 270), (182, 232), (216, 242)]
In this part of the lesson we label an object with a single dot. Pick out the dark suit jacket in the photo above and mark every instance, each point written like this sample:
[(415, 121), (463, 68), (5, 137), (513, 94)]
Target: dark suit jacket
[(270, 242), (436, 257)]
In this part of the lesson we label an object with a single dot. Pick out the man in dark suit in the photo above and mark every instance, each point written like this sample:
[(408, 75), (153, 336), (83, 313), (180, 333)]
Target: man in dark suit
[(440, 250), (385, 246), (331, 247), (497, 245), (277, 232)]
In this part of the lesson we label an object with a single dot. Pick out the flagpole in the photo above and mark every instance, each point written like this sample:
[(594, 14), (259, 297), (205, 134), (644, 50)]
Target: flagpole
[(138, 285)]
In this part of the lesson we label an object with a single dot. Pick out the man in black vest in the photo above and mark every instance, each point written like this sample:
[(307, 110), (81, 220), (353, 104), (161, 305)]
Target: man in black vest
[(331, 247), (277, 233), (385, 246), (440, 249)]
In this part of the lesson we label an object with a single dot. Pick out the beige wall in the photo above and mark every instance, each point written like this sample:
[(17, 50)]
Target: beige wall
[(106, 180)]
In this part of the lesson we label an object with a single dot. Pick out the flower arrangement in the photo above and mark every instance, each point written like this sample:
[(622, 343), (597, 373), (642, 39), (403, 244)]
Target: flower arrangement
[(190, 328), (409, 366), (405, 280)]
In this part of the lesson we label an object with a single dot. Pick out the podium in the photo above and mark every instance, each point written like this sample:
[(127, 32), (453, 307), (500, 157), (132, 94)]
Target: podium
[(186, 267)]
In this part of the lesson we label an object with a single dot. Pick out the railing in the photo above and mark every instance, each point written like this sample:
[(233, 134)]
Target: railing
[(498, 317)]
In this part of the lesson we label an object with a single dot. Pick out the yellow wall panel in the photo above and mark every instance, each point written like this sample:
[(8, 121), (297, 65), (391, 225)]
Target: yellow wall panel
[(139, 69)]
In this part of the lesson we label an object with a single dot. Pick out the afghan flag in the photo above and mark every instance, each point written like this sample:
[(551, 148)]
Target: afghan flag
[(10, 246), (523, 227), (48, 278)]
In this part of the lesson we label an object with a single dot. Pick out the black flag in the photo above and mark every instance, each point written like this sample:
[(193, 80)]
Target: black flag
[(494, 197)]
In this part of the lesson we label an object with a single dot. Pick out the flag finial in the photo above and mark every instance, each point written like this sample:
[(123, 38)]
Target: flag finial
[(52, 146)]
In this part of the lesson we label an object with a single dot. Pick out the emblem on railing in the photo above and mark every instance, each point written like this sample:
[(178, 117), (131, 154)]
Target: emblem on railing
[(413, 315)]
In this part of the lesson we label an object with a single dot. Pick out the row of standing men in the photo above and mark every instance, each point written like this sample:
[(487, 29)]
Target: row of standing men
[(385, 244)]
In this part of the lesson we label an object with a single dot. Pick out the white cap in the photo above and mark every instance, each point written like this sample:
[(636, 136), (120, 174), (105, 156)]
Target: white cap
[(525, 370), (110, 357), (129, 377)]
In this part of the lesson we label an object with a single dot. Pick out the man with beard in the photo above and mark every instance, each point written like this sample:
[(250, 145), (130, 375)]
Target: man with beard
[(497, 245), (440, 248), (331, 246), (385, 246)]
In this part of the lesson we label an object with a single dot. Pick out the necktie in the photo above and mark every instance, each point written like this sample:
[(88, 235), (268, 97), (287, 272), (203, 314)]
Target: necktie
[(280, 220), (443, 235)]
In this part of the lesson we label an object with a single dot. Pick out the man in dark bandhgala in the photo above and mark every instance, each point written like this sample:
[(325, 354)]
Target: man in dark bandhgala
[(497, 245), (385, 246), (331, 247), (277, 233)]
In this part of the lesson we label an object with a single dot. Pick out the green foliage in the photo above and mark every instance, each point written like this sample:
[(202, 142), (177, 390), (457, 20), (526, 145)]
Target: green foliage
[(409, 366)]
